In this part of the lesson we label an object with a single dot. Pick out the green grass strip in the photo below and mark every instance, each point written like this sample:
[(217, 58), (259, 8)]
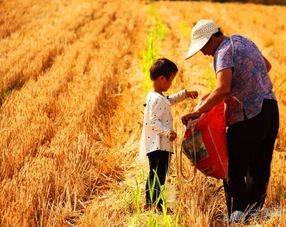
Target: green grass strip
[(185, 29), (155, 35)]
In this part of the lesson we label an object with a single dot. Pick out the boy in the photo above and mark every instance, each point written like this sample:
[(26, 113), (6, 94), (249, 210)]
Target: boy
[(158, 133)]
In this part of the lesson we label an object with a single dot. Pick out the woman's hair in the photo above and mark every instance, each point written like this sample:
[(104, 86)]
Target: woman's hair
[(219, 33), (162, 67)]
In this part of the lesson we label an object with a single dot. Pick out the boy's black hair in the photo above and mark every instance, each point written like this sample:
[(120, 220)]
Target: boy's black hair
[(218, 34), (162, 67)]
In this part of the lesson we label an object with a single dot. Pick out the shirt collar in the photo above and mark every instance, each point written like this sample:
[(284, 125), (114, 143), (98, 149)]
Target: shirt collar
[(221, 45)]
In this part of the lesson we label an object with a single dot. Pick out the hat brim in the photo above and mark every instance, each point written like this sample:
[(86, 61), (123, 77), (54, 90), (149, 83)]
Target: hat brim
[(196, 46)]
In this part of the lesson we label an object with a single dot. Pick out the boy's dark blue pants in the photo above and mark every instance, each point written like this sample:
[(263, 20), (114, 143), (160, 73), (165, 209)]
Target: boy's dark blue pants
[(250, 148), (159, 163)]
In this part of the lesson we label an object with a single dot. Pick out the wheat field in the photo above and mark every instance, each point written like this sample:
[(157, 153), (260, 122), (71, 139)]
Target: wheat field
[(72, 87)]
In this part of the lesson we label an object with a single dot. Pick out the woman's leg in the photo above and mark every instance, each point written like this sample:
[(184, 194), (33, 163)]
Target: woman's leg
[(159, 163), (259, 169), (250, 147), (235, 186)]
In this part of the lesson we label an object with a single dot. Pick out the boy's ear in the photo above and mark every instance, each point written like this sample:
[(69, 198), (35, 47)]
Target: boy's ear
[(161, 77)]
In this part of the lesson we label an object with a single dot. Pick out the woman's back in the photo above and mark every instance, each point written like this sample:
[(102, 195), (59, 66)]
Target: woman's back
[(250, 81)]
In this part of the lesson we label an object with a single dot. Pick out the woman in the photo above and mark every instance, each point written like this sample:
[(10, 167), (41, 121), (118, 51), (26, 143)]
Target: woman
[(251, 113)]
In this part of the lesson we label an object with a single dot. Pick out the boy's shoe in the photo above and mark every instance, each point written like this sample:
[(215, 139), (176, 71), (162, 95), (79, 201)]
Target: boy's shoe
[(236, 216), (170, 211), (160, 210), (147, 207)]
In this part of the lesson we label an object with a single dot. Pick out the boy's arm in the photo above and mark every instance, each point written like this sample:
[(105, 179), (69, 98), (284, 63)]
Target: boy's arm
[(181, 95), (156, 111)]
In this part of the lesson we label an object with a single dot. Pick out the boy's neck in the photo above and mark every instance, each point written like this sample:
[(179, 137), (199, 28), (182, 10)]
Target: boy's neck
[(157, 89)]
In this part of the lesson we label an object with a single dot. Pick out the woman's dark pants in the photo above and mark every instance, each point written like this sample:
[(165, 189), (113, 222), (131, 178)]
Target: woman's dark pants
[(250, 148), (159, 163)]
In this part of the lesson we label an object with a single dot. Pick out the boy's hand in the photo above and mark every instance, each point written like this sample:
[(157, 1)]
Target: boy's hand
[(192, 94), (171, 135)]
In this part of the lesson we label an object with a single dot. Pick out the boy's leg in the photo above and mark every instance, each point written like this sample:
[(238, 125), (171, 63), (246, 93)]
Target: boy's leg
[(153, 159), (158, 162), (162, 171)]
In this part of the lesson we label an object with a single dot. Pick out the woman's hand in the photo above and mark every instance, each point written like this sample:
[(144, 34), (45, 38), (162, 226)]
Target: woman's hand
[(190, 116)]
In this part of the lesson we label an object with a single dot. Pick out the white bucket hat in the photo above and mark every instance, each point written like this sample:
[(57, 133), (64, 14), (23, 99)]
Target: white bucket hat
[(201, 33)]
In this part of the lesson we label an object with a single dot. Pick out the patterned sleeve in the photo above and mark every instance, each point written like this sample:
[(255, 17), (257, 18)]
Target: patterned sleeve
[(224, 59), (177, 97), (156, 112)]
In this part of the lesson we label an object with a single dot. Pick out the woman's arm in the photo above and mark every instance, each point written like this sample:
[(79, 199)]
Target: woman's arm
[(221, 91), (267, 63)]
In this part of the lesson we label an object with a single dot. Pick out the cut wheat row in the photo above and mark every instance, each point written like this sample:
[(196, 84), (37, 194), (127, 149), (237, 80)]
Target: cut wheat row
[(65, 154), (40, 45), (33, 106)]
